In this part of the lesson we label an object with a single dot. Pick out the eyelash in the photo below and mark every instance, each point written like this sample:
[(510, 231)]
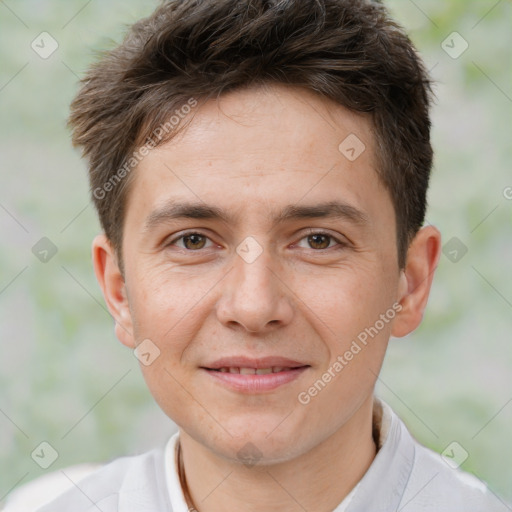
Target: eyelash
[(310, 233)]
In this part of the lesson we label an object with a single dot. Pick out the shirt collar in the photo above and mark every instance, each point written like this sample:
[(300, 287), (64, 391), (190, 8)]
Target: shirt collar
[(383, 485), (176, 495)]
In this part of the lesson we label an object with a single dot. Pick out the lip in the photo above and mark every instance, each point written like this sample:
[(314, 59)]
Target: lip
[(252, 383)]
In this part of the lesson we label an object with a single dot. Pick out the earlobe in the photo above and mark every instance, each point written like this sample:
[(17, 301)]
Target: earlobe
[(113, 287), (416, 280)]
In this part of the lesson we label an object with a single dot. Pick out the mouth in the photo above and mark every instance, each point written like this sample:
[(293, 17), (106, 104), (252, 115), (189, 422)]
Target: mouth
[(247, 375)]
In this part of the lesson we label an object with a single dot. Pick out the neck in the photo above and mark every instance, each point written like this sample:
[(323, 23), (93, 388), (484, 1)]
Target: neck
[(316, 480)]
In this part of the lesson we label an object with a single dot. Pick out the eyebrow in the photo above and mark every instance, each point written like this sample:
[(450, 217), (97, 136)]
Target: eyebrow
[(186, 210)]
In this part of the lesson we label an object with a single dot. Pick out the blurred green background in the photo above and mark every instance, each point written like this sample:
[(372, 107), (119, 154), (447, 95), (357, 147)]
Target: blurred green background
[(65, 379)]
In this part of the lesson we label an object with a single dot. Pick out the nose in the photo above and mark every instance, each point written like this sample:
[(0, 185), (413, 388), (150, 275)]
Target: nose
[(254, 297)]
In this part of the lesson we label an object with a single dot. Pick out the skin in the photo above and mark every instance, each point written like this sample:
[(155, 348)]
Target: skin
[(252, 152)]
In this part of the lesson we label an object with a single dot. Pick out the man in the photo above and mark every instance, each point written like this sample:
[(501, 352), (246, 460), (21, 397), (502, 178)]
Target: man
[(260, 170)]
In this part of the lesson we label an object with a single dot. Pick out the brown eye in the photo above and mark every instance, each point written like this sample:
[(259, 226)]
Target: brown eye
[(319, 241), (194, 241)]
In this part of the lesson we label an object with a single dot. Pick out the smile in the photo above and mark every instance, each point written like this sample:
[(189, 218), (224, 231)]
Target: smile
[(254, 380)]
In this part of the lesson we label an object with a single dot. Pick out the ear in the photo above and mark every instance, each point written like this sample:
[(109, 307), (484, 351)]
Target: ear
[(416, 280), (113, 287)]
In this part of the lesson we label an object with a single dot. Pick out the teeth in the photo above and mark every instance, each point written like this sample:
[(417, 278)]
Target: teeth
[(263, 371), (253, 371)]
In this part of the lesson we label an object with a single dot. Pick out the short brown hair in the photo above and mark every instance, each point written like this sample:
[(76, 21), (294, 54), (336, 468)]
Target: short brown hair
[(349, 51)]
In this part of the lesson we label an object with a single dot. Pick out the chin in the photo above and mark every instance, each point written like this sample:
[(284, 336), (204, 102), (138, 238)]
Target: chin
[(260, 444)]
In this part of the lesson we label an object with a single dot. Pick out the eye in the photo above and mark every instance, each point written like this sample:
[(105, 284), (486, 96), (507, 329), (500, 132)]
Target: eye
[(319, 240), (192, 241)]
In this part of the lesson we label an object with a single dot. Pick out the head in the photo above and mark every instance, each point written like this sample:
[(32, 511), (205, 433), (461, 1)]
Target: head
[(260, 171)]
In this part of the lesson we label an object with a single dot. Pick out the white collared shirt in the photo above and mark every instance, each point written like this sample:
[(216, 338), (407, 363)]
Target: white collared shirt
[(404, 476)]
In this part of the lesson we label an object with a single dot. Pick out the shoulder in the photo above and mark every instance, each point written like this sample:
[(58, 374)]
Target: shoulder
[(437, 483), (32, 495), (419, 479), (136, 480)]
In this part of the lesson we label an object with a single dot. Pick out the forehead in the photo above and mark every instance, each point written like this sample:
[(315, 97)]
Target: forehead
[(264, 118), (260, 147)]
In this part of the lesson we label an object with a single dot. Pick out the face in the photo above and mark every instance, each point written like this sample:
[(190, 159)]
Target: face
[(251, 241)]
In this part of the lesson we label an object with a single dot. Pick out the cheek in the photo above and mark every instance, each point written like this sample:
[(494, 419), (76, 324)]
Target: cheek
[(350, 324), (344, 302), (165, 303), (169, 309), (171, 391), (352, 313)]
